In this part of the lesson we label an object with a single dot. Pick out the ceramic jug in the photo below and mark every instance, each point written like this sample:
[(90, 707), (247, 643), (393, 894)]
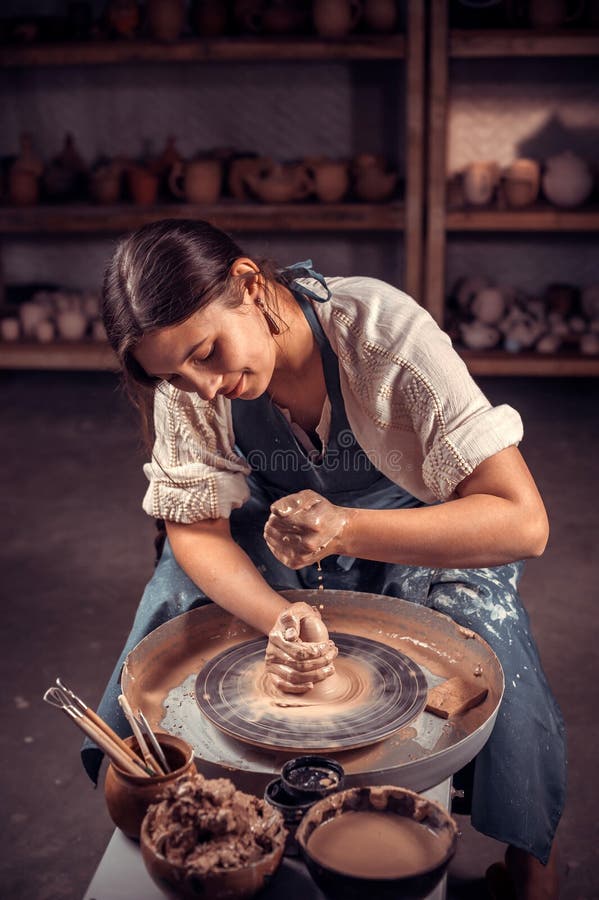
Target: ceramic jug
[(281, 183), (330, 178), (522, 180), (143, 185), (372, 182), (336, 18), (198, 181), (166, 19), (480, 181), (568, 180), (380, 15), (554, 13), (128, 796)]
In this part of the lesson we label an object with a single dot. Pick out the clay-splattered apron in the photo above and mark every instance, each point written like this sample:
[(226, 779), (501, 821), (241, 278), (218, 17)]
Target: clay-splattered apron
[(519, 777)]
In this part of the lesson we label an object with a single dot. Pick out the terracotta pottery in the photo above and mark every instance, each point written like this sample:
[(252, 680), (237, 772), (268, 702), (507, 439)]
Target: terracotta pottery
[(480, 182), (522, 180), (568, 180), (198, 181), (65, 175), (554, 13), (247, 15), (380, 15), (336, 18), (105, 183), (128, 796), (284, 17), (165, 19), (282, 183), (330, 179), (122, 17), (143, 185), (372, 182), (242, 166), (23, 187), (209, 17)]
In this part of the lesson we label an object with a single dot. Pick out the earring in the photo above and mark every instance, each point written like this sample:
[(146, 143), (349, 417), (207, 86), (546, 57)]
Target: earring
[(270, 320)]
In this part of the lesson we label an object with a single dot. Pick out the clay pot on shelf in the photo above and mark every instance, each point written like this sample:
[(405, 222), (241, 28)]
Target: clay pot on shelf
[(165, 19), (480, 182), (336, 18), (143, 185), (242, 166), (380, 15), (197, 181), (284, 17), (372, 182), (247, 15), (554, 13), (568, 180), (129, 796), (64, 177), (122, 17), (24, 174), (522, 181), (209, 17), (105, 183), (282, 183), (330, 179)]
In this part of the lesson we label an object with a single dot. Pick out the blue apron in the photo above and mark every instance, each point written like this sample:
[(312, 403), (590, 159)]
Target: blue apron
[(518, 786)]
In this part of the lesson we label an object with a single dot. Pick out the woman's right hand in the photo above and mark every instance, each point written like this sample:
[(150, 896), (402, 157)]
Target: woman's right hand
[(295, 665)]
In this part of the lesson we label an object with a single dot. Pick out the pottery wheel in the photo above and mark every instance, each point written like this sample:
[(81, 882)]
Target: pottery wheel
[(384, 690)]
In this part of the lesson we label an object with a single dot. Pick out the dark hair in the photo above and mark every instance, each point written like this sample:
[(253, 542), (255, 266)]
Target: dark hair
[(159, 276)]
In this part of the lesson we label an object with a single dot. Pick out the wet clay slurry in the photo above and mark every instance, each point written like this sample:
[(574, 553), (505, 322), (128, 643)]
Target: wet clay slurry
[(371, 844)]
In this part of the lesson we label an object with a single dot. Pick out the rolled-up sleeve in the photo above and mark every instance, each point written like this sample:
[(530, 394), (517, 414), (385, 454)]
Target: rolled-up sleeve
[(194, 473)]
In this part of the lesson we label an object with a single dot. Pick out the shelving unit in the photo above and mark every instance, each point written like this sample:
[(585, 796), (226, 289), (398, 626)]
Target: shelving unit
[(447, 44), (402, 217)]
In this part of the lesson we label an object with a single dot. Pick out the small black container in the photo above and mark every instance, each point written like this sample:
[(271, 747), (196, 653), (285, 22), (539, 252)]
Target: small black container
[(292, 809), (310, 778)]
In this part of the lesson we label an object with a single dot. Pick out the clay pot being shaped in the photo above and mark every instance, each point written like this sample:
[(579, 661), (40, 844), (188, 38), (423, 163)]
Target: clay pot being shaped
[(129, 796), (336, 18), (330, 179), (198, 181), (166, 19), (480, 182), (122, 17), (568, 180), (143, 185), (281, 183), (372, 182), (522, 180), (380, 15)]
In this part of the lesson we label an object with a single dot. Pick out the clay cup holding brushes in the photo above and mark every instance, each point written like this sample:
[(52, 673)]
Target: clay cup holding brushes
[(129, 796)]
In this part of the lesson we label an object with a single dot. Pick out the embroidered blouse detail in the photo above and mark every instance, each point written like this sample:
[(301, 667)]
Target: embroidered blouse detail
[(409, 399)]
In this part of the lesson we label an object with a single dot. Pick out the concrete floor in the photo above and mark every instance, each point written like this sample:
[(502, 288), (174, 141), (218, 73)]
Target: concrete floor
[(77, 549)]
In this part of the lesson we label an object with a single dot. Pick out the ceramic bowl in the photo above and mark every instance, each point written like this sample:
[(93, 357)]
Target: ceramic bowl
[(312, 777), (230, 884), (128, 796), (339, 885)]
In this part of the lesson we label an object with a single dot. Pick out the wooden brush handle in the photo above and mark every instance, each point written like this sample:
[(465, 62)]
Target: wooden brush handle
[(96, 720)]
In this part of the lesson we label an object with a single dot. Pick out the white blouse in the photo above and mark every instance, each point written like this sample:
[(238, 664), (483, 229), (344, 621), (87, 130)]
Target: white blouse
[(409, 400)]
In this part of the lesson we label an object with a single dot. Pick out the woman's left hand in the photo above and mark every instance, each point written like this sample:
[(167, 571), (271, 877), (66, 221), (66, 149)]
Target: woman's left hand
[(305, 527)]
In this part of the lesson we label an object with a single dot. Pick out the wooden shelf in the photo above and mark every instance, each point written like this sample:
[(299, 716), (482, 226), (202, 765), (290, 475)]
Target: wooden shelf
[(538, 364), (230, 216), (251, 49), (483, 44), (82, 355), (537, 218)]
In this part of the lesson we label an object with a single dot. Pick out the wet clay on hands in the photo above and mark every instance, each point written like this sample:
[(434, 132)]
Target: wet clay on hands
[(303, 528), (299, 653)]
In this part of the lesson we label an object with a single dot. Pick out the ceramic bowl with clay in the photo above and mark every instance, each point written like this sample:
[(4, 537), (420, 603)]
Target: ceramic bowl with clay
[(199, 859), (385, 842)]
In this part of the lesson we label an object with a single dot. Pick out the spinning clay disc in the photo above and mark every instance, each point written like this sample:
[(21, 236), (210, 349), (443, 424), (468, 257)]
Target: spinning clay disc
[(378, 690)]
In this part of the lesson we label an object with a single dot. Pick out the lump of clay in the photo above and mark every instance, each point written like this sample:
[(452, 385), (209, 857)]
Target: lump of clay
[(207, 826)]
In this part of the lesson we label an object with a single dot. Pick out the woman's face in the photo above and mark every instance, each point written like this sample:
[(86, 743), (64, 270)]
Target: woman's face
[(218, 350)]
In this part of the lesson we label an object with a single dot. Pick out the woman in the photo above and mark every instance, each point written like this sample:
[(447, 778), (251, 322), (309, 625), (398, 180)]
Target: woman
[(300, 419)]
